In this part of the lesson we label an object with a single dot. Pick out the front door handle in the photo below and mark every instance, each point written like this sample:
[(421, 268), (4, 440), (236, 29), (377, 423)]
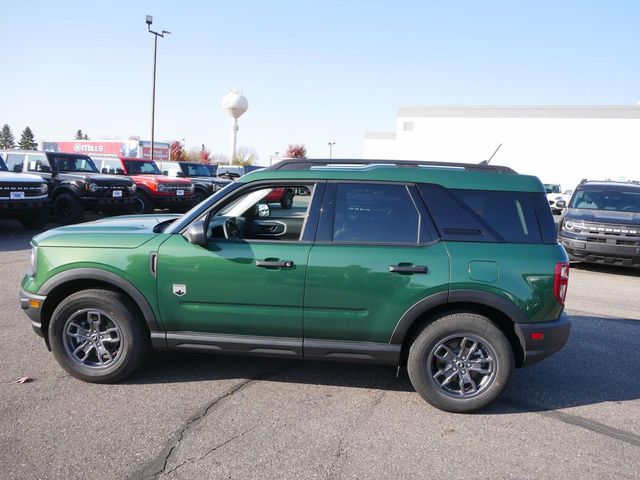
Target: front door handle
[(407, 269), (274, 263)]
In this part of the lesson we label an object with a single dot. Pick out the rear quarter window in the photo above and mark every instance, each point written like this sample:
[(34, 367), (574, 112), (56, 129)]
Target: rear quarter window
[(483, 216)]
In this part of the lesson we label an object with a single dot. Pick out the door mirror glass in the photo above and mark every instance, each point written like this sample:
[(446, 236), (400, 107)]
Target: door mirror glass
[(196, 234), (263, 210), (561, 204)]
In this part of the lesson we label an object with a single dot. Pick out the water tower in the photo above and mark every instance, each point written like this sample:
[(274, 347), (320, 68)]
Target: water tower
[(235, 104)]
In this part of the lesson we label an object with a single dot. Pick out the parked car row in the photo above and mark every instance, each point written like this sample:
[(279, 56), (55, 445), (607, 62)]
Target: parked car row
[(37, 185)]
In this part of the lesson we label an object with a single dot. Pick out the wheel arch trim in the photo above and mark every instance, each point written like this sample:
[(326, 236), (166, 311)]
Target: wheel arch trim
[(107, 277), (439, 299)]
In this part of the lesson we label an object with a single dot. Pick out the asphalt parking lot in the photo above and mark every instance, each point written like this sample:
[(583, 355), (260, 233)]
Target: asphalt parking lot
[(576, 415)]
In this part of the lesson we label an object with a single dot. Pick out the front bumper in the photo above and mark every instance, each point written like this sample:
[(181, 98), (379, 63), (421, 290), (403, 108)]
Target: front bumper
[(20, 207), (595, 252), (32, 303), (171, 200), (555, 335), (108, 202)]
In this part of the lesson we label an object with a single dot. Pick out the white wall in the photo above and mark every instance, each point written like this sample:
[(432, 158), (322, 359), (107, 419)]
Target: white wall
[(557, 150)]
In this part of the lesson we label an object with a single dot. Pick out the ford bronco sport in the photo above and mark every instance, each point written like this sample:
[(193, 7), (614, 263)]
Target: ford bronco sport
[(452, 270), (602, 223)]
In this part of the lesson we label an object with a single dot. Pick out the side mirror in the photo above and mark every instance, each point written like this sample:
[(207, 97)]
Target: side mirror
[(561, 204), (263, 210), (44, 169), (105, 170), (165, 173), (196, 233), (181, 174)]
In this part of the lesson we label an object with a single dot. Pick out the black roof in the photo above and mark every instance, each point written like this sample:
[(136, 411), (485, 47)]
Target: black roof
[(307, 163)]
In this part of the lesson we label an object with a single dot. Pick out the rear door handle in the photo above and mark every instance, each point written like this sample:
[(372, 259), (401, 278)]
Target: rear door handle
[(407, 269), (274, 263)]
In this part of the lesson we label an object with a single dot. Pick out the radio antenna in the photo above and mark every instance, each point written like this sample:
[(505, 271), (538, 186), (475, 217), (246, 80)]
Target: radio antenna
[(486, 162)]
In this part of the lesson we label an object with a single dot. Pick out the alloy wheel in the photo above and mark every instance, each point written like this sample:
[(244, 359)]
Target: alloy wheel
[(93, 339), (462, 366)]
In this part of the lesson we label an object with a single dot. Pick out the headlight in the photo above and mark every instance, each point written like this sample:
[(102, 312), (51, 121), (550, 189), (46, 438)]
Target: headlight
[(162, 187), (94, 187), (33, 262), (133, 187), (44, 188), (570, 226)]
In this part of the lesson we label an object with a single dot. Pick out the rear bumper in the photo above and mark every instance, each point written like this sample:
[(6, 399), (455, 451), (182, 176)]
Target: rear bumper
[(28, 302), (555, 335), (606, 253)]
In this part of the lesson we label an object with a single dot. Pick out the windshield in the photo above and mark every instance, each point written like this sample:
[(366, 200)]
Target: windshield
[(141, 167), (3, 167), (75, 164), (195, 170), (613, 198), (552, 188)]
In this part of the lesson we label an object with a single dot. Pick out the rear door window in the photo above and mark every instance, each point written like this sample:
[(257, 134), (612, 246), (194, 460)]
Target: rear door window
[(482, 216), (375, 213)]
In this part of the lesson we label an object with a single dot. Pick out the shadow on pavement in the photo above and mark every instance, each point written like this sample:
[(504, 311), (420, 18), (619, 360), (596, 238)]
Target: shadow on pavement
[(598, 364)]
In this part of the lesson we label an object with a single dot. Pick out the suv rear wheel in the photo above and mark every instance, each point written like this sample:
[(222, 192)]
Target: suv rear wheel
[(68, 209), (286, 201), (460, 363), (96, 336)]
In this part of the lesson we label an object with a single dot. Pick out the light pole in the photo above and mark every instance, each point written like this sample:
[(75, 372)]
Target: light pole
[(153, 100), (331, 144)]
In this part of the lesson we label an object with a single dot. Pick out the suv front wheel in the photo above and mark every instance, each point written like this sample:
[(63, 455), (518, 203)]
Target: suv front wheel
[(96, 336), (461, 362)]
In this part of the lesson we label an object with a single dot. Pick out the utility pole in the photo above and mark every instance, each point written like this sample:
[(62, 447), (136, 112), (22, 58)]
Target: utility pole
[(331, 144), (153, 96)]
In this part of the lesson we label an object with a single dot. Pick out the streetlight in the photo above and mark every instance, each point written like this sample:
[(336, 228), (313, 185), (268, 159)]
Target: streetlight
[(331, 144), (153, 101)]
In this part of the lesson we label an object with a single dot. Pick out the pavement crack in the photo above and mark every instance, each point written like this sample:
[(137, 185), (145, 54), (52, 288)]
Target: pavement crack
[(159, 465)]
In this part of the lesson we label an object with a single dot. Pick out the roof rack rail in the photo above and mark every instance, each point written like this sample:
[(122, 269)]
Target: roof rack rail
[(307, 163)]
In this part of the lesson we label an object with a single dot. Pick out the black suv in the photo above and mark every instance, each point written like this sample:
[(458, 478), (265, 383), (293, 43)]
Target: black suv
[(204, 181), (602, 223), (76, 185), (23, 197)]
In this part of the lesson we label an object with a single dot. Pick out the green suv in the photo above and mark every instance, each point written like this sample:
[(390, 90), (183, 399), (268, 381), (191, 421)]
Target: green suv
[(452, 270)]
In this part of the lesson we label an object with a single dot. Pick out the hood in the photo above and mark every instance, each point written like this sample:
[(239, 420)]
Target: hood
[(162, 179), (603, 216), (20, 177), (129, 231), (99, 178)]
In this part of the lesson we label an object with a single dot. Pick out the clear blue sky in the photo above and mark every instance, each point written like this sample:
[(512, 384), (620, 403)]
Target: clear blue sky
[(312, 71)]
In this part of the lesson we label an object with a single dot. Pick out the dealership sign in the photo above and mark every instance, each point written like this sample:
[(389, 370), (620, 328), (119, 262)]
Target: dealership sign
[(129, 148)]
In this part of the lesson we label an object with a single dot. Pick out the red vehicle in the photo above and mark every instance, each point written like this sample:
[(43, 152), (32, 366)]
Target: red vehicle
[(283, 196), (154, 190)]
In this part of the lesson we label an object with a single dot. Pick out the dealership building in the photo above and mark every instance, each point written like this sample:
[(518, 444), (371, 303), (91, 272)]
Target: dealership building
[(559, 144), (116, 148)]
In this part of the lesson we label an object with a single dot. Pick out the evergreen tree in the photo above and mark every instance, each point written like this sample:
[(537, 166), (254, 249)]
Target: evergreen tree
[(27, 140), (79, 135), (86, 137), (6, 138)]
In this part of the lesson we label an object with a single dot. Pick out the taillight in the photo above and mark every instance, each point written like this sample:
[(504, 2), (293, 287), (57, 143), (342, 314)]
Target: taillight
[(561, 281)]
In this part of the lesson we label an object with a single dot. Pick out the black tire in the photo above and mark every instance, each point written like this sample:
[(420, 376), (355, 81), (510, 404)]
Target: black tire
[(425, 363), (142, 203), (68, 209), (199, 197), (286, 201), (114, 310), (36, 220)]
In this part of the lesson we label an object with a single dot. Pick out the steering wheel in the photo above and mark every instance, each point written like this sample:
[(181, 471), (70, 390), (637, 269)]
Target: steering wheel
[(230, 229)]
